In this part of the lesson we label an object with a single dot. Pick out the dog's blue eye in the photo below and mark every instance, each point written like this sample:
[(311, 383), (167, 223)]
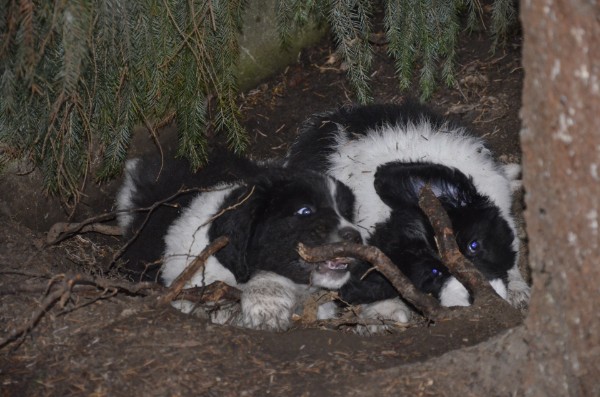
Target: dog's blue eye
[(436, 272), (473, 246), (305, 211)]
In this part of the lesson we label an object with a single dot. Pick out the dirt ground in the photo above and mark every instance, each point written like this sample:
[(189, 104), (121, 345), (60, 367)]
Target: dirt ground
[(103, 341)]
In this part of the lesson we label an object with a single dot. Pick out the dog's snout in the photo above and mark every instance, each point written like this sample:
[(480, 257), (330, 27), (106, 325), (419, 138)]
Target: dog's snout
[(350, 234)]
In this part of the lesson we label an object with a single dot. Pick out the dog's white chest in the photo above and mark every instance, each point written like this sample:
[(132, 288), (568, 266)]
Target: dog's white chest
[(188, 236)]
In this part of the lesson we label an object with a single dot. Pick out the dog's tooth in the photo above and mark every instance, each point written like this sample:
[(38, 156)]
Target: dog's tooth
[(335, 265)]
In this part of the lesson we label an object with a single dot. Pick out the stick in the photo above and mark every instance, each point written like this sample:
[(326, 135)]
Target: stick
[(193, 268), (213, 292), (62, 230), (59, 231), (428, 305), (150, 209), (486, 303), (459, 266), (50, 299), (60, 288)]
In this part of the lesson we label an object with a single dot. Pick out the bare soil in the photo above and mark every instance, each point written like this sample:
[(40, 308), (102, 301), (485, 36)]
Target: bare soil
[(105, 342)]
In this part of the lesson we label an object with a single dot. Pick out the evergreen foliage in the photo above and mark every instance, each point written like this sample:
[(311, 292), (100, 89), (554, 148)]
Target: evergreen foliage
[(420, 33), (77, 76), (81, 74)]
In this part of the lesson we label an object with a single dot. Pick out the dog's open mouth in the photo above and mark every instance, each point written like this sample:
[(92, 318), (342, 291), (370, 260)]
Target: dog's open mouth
[(331, 274), (334, 265)]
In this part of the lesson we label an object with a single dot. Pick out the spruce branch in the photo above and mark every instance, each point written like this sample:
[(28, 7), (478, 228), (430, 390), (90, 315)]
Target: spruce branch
[(350, 24), (503, 16), (77, 76)]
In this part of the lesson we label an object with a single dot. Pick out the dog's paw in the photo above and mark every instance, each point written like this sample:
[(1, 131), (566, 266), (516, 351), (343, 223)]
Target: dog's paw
[(513, 173), (269, 316), (390, 312), (518, 293), (184, 306), (268, 302), (518, 289), (515, 186), (328, 311)]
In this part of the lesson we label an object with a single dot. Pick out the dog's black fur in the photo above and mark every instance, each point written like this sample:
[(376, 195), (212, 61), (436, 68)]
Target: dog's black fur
[(264, 210)]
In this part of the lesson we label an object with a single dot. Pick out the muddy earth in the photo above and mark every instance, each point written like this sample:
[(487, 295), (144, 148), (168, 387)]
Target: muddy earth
[(80, 328)]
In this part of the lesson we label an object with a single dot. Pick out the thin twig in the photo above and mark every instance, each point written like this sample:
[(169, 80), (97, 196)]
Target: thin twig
[(60, 289), (60, 232), (49, 301), (197, 264), (63, 229)]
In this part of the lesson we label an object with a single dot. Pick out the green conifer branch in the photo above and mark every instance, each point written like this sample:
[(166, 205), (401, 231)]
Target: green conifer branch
[(293, 15), (503, 17), (77, 76), (350, 24)]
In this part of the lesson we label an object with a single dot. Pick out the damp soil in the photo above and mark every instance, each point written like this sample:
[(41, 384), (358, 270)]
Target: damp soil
[(104, 341)]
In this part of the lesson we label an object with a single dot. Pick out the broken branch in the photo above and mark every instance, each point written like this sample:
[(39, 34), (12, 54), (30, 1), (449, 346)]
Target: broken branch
[(61, 230), (459, 266), (60, 289), (485, 300), (193, 268), (214, 292), (426, 304)]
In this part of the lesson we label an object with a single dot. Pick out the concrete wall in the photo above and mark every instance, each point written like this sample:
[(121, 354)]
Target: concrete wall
[(261, 51)]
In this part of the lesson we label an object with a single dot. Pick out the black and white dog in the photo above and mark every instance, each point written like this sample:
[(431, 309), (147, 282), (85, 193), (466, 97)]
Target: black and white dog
[(386, 154), (264, 210)]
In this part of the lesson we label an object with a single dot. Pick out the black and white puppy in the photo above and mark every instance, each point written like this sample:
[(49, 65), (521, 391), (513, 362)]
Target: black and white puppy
[(264, 210), (385, 154)]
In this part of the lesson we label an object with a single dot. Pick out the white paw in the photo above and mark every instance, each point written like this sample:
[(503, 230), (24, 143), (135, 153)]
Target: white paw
[(227, 313), (217, 313), (518, 290), (184, 306), (512, 171), (500, 288), (516, 186), (327, 311), (266, 317), (268, 302), (513, 174), (389, 310)]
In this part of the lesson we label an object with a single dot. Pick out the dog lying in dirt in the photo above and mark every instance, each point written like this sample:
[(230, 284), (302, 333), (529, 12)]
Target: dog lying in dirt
[(264, 210), (386, 154)]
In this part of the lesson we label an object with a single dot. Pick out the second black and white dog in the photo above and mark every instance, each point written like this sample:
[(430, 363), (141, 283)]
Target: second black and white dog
[(265, 211), (386, 154)]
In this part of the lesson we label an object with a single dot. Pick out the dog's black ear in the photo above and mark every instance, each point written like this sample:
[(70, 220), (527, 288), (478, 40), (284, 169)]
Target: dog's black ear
[(399, 183), (393, 185), (236, 219)]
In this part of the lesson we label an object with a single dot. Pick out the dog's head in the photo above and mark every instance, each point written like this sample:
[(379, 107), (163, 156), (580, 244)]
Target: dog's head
[(482, 234), (485, 238), (267, 218)]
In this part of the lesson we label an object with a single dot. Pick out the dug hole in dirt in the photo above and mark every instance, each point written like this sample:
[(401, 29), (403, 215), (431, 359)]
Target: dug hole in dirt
[(103, 340)]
